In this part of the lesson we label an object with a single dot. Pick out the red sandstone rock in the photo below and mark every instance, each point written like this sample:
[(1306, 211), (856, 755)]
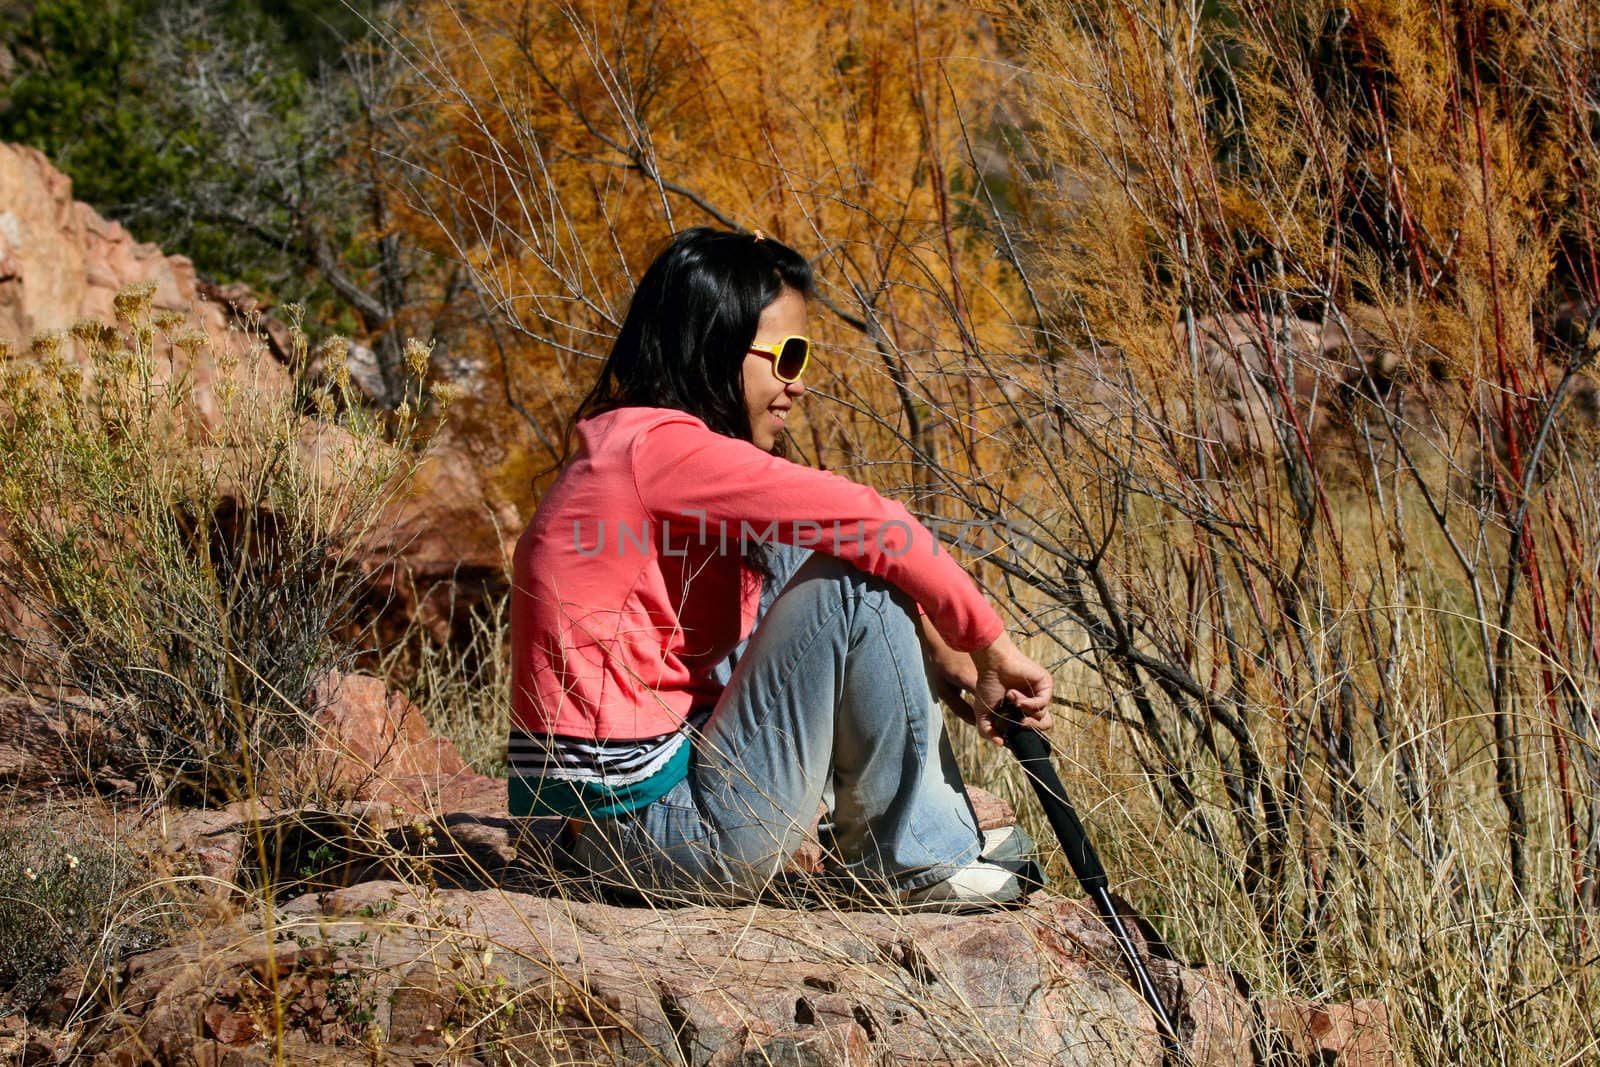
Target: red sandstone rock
[(461, 959), (1221, 1020), (439, 549), (992, 811), (42, 748), (378, 742), (60, 262), (495, 973), (1353, 1034)]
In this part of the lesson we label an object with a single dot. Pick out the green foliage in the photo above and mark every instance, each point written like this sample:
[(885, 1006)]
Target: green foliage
[(311, 33), (148, 106), (191, 574), (88, 93), (330, 994), (81, 94)]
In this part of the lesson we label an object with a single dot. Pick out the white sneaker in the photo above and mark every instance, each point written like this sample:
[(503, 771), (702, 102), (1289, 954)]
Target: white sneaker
[(978, 886), (1006, 843)]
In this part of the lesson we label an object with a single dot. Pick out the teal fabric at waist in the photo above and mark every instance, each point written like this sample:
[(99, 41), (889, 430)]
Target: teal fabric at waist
[(582, 800)]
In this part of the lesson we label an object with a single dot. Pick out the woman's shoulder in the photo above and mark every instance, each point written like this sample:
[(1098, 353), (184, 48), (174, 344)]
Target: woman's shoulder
[(631, 421), (639, 431), (656, 443)]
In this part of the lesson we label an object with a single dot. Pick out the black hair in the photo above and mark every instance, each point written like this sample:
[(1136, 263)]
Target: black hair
[(690, 325)]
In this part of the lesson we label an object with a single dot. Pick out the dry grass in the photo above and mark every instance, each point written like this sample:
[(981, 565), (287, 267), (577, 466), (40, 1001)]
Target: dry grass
[(463, 688), (1325, 620), (73, 898)]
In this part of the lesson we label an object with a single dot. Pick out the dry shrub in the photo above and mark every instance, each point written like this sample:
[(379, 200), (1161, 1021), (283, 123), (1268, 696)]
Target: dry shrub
[(69, 897), (1253, 345), (186, 578), (1315, 501)]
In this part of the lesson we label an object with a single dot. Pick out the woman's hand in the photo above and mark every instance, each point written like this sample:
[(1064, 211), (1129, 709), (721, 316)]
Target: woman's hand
[(1005, 675)]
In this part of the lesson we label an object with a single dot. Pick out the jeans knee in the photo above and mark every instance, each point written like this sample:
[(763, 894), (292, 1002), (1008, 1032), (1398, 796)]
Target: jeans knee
[(854, 584)]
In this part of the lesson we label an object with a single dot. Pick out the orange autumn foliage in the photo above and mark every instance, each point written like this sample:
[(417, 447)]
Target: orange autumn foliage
[(572, 140)]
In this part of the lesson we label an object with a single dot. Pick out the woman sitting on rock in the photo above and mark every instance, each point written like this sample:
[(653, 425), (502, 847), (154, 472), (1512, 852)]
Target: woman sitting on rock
[(644, 568)]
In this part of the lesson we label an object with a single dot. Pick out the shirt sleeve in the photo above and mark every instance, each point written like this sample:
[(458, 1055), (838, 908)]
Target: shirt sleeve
[(686, 472)]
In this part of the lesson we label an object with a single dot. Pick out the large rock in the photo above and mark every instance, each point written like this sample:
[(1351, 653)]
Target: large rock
[(56, 748), (40, 748), (1360, 379), (455, 938), (61, 263), (442, 549), (404, 929), (1243, 389), (376, 744), (1259, 374), (411, 974)]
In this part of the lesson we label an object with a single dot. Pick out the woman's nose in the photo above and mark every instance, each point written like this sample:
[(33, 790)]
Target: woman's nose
[(795, 388)]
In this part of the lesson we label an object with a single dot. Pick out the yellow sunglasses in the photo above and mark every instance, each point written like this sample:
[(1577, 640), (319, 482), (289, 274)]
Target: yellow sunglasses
[(789, 356)]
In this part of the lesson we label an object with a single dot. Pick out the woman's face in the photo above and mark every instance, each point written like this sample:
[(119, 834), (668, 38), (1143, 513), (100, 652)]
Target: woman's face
[(766, 399)]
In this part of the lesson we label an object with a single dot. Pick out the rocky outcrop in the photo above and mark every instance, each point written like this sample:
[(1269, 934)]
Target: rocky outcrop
[(369, 729), (1244, 388), (453, 940), (442, 549), (1329, 375), (41, 748), (495, 974), (1353, 383), (424, 925), (421, 975), (61, 263), (454, 936)]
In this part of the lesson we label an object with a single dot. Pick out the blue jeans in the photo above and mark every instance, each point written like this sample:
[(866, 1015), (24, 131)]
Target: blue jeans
[(831, 688)]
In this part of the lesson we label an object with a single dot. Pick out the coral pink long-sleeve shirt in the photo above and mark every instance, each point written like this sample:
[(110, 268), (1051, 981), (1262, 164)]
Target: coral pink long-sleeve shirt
[(629, 584)]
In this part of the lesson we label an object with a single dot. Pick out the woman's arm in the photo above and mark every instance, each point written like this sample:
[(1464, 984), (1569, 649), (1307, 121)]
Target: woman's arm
[(682, 471), (722, 488), (952, 674)]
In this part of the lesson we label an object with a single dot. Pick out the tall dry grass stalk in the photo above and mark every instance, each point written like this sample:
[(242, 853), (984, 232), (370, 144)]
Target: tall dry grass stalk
[(1316, 499), (464, 687)]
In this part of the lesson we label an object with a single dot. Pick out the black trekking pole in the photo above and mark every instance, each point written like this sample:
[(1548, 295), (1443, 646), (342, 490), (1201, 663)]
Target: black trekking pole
[(1032, 750)]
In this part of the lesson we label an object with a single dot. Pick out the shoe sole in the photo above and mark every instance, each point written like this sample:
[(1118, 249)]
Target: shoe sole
[(961, 907)]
